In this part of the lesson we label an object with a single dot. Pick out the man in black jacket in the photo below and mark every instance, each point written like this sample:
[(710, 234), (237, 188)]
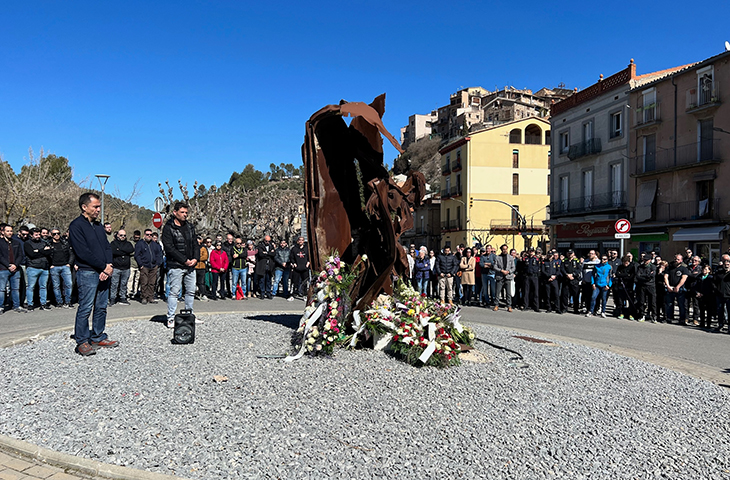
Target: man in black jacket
[(722, 289), (571, 282), (552, 270), (62, 257), (265, 265), (122, 251), (646, 289), (228, 246), (37, 254), (94, 262), (12, 257), (446, 268), (148, 254), (183, 253), (299, 259), (532, 279)]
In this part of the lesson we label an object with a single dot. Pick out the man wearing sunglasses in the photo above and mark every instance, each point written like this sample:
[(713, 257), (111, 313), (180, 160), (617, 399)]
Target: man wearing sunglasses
[(62, 257), (122, 252)]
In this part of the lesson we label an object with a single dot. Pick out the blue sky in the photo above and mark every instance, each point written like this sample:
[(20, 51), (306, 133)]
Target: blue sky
[(194, 90)]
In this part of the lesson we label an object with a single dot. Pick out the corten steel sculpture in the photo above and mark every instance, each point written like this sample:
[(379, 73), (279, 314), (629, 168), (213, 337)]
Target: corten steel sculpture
[(353, 206)]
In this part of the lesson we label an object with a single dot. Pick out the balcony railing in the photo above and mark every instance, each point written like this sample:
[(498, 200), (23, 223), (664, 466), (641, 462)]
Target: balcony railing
[(451, 226), (702, 151), (446, 193), (446, 169), (648, 114), (591, 203), (583, 149), (707, 94), (456, 167), (456, 191), (533, 139), (686, 211)]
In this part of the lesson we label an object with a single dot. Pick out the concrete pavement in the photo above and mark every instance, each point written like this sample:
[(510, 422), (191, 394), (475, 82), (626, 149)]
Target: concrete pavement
[(685, 349)]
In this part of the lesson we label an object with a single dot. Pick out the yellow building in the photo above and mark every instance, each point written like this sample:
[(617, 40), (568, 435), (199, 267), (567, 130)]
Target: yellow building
[(507, 163)]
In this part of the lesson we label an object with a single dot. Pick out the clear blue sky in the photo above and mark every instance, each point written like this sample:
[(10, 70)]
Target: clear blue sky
[(190, 90)]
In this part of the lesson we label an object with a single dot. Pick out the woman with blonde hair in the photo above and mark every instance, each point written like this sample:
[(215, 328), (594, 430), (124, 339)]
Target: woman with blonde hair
[(422, 267)]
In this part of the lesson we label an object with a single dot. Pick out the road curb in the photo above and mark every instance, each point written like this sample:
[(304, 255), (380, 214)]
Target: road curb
[(75, 464)]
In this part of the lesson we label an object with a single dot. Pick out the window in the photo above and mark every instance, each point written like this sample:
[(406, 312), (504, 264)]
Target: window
[(647, 107), (705, 144), (515, 184), (616, 185), (650, 153), (706, 86), (458, 217), (548, 185), (458, 156), (705, 191), (564, 182), (515, 216), (515, 158), (588, 131), (587, 188), (448, 184), (615, 125), (515, 136), (564, 142)]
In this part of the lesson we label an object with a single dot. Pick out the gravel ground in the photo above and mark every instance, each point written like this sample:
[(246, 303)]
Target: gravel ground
[(573, 413)]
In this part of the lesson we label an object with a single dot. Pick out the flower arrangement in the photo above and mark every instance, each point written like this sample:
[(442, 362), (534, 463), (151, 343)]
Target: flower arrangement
[(422, 331)]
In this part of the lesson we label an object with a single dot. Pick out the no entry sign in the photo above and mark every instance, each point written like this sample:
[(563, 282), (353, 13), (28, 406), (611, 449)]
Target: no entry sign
[(157, 220), (623, 226)]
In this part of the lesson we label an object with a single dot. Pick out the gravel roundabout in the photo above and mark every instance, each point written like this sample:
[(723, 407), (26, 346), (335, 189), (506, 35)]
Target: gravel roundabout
[(574, 413)]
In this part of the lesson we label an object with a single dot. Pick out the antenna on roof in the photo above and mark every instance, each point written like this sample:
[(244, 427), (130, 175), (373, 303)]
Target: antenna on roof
[(727, 46)]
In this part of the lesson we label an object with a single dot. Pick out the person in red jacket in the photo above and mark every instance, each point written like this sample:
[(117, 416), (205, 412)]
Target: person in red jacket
[(218, 266)]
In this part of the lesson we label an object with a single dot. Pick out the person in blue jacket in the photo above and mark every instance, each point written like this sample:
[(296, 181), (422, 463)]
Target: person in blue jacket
[(601, 281)]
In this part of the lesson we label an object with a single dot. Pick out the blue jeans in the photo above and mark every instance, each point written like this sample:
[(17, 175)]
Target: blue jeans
[(604, 298), (120, 277), (488, 293), (422, 285), (14, 279), (39, 276), (242, 275), (59, 273), (177, 277), (93, 294), (281, 276)]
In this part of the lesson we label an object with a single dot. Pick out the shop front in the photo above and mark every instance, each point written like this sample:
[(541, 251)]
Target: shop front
[(707, 241), (582, 237)]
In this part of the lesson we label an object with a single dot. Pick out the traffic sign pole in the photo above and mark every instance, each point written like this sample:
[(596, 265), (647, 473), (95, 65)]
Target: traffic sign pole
[(622, 227)]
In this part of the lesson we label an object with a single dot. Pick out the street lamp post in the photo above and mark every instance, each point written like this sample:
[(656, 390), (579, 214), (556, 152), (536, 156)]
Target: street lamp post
[(102, 180)]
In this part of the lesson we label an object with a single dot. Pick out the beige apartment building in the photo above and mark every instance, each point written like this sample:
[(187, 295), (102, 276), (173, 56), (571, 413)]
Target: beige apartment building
[(506, 163), (679, 147)]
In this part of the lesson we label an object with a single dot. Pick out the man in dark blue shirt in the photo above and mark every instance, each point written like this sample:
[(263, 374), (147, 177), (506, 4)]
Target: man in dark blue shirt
[(94, 262)]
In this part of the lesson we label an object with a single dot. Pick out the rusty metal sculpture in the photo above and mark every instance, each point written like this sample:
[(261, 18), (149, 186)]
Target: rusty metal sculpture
[(353, 206)]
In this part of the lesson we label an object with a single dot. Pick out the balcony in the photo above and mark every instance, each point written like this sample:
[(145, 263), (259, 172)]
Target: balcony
[(584, 149), (512, 226), (445, 194), (648, 115), (688, 211), (456, 167), (446, 169), (451, 226), (589, 204), (686, 156), (704, 97), (456, 191)]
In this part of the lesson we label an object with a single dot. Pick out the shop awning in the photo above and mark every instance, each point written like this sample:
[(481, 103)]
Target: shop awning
[(699, 234)]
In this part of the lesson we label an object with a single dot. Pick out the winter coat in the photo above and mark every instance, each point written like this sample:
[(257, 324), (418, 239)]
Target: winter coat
[(239, 262), (148, 254), (122, 250), (423, 268), (228, 248), (180, 244), (281, 257), (61, 253), (487, 259), (203, 260), (446, 264), (18, 253), (37, 254), (467, 267), (91, 247), (265, 258), (722, 284), (218, 261), (646, 275)]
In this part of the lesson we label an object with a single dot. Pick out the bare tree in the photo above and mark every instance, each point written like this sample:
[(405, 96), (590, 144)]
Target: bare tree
[(119, 209)]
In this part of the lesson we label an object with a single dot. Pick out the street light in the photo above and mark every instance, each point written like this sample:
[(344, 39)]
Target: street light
[(102, 180)]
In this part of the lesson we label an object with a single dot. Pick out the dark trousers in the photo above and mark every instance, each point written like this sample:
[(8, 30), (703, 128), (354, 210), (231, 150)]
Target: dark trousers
[(707, 305), (694, 302), (553, 300), (264, 282), (226, 282), (503, 286), (147, 282), (623, 298), (669, 305), (200, 280), (587, 295), (646, 301), (531, 292), (570, 290), (296, 280)]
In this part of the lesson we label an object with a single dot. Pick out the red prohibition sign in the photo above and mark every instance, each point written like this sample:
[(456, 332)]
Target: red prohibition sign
[(622, 226)]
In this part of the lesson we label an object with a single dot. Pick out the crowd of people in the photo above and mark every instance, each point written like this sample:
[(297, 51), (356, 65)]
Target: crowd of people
[(644, 289)]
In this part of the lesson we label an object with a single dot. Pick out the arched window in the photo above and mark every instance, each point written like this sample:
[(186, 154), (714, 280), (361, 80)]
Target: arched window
[(533, 135), (515, 136)]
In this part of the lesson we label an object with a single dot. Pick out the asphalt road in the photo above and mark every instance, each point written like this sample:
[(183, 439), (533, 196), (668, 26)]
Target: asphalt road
[(685, 349)]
